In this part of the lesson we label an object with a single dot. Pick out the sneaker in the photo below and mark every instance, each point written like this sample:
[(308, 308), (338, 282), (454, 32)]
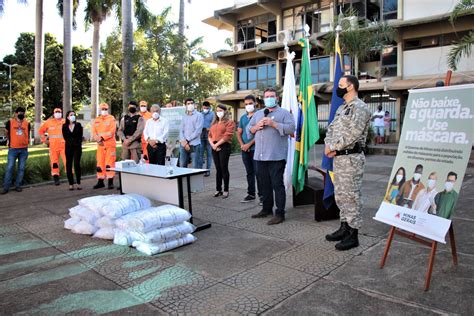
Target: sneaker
[(248, 198), (261, 214), (276, 220), (18, 189)]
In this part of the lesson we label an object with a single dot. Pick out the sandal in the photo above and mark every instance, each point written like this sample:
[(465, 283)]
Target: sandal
[(218, 193), (71, 188), (225, 195)]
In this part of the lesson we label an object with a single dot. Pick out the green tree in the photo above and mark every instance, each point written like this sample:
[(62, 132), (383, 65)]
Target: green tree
[(464, 46)]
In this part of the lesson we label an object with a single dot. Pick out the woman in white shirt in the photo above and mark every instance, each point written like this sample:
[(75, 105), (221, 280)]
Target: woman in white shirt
[(156, 135), (424, 201)]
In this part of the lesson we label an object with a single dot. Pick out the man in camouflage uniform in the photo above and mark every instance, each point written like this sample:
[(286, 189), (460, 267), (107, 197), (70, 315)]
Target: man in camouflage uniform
[(345, 139)]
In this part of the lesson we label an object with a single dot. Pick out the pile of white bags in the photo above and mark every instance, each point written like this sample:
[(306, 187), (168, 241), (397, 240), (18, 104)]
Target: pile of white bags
[(155, 229), (130, 220)]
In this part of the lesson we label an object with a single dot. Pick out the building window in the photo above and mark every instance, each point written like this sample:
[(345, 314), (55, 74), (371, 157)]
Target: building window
[(256, 74), (318, 19), (371, 10), (254, 31), (320, 67), (390, 8), (389, 61), (434, 41)]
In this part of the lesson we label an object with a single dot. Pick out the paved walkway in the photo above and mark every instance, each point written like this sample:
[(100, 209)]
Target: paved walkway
[(239, 266)]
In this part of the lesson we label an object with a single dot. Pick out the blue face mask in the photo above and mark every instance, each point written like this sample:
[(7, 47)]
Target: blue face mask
[(270, 102)]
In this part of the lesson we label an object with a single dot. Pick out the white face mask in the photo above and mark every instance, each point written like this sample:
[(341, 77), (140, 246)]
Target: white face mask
[(190, 107), (205, 111), (155, 115), (399, 178), (72, 118), (448, 185), (431, 183), (143, 109), (58, 115), (416, 176), (104, 113), (220, 114), (249, 108)]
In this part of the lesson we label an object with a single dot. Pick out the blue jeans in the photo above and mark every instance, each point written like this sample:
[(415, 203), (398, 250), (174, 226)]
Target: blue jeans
[(270, 174), (194, 155), (13, 154), (206, 148), (251, 170)]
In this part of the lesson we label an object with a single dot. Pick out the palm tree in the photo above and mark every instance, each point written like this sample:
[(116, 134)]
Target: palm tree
[(96, 12), (144, 18), (2, 4), (181, 26), (39, 68), (464, 46), (67, 55)]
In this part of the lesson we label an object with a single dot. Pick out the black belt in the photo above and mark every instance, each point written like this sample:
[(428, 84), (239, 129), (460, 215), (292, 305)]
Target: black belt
[(356, 150)]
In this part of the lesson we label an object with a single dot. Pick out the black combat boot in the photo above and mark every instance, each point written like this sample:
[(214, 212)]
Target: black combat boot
[(338, 234), (110, 184), (100, 184), (350, 240), (56, 180)]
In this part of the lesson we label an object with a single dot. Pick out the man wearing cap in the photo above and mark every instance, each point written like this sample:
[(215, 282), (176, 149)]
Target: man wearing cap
[(146, 116), (130, 132), (18, 134), (52, 135), (103, 132)]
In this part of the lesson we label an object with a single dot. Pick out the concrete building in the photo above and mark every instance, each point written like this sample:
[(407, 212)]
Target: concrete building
[(416, 59)]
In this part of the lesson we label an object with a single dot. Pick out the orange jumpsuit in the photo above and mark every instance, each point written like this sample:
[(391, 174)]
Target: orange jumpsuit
[(104, 127), (146, 116), (57, 144)]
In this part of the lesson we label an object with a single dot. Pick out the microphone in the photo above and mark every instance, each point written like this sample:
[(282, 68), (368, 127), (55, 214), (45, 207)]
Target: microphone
[(266, 112)]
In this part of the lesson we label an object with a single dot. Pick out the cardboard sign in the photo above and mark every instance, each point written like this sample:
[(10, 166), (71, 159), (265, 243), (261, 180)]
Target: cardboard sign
[(175, 117), (433, 153)]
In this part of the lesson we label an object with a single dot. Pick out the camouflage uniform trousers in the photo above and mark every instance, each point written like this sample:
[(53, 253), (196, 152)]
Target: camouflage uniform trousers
[(348, 171)]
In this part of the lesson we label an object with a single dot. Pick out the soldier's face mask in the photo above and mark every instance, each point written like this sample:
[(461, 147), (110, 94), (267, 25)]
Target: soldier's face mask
[(341, 92), (132, 109)]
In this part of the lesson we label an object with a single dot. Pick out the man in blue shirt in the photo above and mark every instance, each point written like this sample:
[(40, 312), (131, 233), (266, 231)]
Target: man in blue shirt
[(247, 145), (271, 127), (190, 136), (208, 116)]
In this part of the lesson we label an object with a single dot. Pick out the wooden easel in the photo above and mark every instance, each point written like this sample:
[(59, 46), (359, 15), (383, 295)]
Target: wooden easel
[(433, 244)]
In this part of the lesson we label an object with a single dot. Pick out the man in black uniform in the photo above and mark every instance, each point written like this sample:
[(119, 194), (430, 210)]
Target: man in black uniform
[(130, 132)]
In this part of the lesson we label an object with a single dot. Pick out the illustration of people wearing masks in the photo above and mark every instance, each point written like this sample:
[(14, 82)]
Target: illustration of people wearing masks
[(411, 188), (424, 201), (394, 186), (445, 201)]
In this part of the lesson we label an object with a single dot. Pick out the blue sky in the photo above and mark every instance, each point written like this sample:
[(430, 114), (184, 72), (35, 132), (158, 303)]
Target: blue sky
[(19, 18)]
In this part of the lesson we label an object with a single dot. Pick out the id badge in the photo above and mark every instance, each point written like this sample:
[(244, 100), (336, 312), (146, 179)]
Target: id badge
[(19, 132)]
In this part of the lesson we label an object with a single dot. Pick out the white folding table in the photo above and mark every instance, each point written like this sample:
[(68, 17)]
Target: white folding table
[(157, 183)]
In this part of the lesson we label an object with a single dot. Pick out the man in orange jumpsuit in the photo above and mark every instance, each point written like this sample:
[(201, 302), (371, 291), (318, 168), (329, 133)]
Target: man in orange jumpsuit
[(146, 116), (103, 132), (52, 135)]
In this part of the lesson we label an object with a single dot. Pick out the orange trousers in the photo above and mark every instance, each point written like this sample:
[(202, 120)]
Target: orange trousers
[(54, 154), (144, 149), (105, 159)]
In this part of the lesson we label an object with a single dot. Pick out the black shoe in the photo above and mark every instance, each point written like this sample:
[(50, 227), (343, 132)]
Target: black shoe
[(56, 180), (4, 191), (218, 193), (100, 184), (18, 189), (350, 240), (338, 234), (276, 220), (110, 184), (207, 174), (261, 214), (248, 198)]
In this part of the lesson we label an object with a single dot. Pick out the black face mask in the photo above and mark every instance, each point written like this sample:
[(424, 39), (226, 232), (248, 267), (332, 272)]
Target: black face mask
[(132, 110), (341, 92), (21, 116)]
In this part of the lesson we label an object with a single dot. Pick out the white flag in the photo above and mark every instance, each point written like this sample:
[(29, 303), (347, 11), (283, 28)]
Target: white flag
[(290, 102)]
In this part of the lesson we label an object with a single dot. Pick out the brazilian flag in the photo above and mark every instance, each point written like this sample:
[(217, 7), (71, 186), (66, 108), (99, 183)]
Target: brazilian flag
[(307, 130)]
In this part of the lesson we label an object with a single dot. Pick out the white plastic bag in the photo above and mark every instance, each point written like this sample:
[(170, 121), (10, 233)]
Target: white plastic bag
[(120, 205), (164, 234), (155, 217), (84, 228), (151, 248), (104, 233), (95, 202), (105, 222), (122, 238), (71, 222), (85, 214)]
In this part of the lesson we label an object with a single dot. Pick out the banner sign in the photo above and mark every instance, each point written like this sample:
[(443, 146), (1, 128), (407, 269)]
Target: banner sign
[(435, 146), (175, 117)]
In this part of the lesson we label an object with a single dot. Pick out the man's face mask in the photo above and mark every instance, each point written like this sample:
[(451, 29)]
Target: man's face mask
[(250, 108), (205, 111), (270, 102), (341, 92), (58, 115), (416, 176), (190, 107), (155, 115), (21, 116), (143, 108), (132, 109)]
